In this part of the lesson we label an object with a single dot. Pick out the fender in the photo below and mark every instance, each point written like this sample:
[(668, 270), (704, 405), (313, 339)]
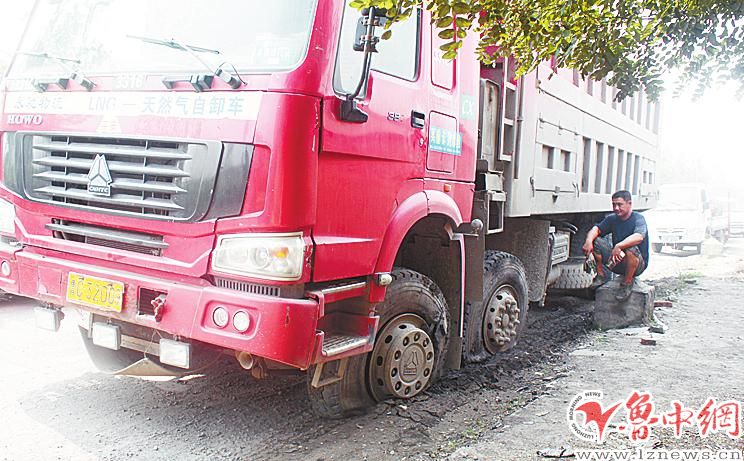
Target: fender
[(443, 204), (412, 210)]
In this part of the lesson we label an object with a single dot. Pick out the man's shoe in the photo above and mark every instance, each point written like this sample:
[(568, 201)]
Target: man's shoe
[(624, 291), (597, 282)]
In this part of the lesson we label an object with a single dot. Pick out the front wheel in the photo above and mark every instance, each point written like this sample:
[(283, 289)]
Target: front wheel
[(408, 356), (657, 247)]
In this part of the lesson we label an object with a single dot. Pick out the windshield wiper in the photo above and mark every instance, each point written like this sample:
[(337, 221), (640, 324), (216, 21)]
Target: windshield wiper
[(199, 82), (74, 74)]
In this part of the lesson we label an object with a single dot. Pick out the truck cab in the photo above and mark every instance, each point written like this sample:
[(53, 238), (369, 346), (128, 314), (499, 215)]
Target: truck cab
[(684, 217)]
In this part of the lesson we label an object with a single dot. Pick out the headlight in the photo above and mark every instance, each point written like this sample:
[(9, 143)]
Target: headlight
[(7, 218), (268, 256)]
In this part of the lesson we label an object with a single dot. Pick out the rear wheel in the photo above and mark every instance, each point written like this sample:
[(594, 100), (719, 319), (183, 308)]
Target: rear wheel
[(657, 247), (573, 275), (408, 356), (495, 325), (505, 301), (698, 248)]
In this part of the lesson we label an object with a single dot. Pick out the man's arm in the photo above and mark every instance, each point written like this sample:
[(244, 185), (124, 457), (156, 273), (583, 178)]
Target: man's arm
[(631, 240), (636, 238), (590, 238)]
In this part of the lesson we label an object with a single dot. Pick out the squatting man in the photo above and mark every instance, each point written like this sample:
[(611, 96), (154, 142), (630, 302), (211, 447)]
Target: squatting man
[(629, 255)]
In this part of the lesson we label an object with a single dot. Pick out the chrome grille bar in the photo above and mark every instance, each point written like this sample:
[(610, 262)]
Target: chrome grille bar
[(127, 184), (117, 199), (114, 167), (150, 152)]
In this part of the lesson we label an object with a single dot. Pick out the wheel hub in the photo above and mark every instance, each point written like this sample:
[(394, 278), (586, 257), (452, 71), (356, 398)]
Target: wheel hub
[(501, 320), (403, 359)]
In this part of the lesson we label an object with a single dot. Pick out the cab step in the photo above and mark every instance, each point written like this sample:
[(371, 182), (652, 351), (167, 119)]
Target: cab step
[(338, 344)]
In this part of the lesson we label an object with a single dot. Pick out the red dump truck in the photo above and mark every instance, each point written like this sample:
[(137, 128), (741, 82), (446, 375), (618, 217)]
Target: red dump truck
[(271, 181)]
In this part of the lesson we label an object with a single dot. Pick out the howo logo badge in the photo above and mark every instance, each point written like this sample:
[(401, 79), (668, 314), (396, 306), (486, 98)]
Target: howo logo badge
[(410, 366), (99, 177), (20, 119)]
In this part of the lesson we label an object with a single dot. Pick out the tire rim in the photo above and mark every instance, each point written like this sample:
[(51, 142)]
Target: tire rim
[(501, 319), (402, 361)]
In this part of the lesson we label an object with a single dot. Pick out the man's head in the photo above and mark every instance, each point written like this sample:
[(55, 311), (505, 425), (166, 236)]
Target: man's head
[(622, 204)]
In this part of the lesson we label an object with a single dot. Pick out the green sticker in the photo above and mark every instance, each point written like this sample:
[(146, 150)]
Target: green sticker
[(445, 141)]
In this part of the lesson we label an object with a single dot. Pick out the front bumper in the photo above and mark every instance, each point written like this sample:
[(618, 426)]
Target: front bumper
[(679, 237), (737, 229), (281, 329)]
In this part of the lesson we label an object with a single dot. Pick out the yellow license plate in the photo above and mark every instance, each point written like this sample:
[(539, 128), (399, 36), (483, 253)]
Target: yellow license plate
[(95, 292)]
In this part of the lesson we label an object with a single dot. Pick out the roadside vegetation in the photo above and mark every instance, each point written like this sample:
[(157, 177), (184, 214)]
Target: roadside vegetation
[(632, 43)]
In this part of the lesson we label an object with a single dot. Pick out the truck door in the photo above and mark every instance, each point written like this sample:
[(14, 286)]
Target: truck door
[(363, 168), (445, 140)]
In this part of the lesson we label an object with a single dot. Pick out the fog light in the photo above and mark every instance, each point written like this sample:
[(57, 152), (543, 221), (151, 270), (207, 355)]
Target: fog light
[(47, 319), (5, 268), (220, 317), (241, 321), (175, 353), (105, 335)]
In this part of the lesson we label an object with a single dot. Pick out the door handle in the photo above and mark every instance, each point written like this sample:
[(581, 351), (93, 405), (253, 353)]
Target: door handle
[(417, 119)]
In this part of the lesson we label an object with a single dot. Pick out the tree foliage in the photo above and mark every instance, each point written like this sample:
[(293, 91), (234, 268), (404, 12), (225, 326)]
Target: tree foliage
[(632, 43)]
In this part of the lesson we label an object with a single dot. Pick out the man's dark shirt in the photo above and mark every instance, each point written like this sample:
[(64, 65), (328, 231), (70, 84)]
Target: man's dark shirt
[(635, 224)]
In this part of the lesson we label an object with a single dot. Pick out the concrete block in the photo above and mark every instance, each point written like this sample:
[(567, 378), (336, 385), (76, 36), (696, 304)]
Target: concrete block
[(638, 309)]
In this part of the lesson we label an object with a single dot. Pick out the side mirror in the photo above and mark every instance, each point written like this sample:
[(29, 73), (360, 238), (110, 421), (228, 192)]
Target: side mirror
[(361, 31), (378, 18), (365, 41)]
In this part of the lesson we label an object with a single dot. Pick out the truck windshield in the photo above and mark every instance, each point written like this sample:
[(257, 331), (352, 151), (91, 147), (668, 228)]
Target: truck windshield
[(252, 35)]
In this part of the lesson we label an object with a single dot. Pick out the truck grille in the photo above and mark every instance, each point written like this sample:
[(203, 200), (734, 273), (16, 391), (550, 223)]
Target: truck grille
[(148, 177)]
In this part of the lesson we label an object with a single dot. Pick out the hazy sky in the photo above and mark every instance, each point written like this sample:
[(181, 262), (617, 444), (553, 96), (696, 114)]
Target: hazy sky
[(708, 132), (12, 15)]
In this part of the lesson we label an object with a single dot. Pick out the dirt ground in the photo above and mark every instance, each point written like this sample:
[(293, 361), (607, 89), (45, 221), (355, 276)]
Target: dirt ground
[(55, 405)]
